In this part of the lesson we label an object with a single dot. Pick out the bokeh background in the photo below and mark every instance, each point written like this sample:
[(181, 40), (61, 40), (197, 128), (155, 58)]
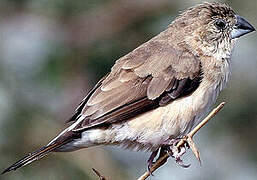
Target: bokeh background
[(53, 51)]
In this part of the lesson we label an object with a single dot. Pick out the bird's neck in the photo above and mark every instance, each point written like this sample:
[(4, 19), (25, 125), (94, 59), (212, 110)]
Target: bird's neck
[(216, 72), (215, 59), (219, 49)]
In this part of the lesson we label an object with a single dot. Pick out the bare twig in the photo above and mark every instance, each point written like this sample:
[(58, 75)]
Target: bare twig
[(188, 138), (98, 174)]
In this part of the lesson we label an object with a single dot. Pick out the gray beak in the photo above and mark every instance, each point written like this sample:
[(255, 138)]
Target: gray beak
[(241, 28)]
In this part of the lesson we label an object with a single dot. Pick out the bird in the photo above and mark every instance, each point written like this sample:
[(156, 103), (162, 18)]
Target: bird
[(158, 92)]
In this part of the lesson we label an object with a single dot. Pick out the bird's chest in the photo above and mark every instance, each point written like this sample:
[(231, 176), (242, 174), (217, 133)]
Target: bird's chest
[(184, 113)]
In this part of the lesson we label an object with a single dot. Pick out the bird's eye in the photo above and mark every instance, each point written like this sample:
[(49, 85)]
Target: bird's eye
[(220, 24)]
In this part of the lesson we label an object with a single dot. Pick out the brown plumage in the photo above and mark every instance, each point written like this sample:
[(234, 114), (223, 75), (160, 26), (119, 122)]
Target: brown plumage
[(143, 78), (160, 90)]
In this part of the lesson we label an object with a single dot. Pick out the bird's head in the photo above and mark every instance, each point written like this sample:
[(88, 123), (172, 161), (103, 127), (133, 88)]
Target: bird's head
[(212, 26)]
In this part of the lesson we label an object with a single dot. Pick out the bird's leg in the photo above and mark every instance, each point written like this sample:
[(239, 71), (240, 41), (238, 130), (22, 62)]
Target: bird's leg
[(177, 151), (176, 148), (177, 154), (150, 160), (163, 151), (187, 141)]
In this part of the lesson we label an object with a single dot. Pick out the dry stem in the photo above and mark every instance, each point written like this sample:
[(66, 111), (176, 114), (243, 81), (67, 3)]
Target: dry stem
[(188, 138), (98, 174)]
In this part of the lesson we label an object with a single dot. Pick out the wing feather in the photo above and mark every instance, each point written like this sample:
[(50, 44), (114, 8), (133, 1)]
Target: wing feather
[(152, 75), (157, 86)]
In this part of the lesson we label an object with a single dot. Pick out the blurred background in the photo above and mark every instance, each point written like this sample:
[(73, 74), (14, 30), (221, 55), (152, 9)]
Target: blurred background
[(53, 51)]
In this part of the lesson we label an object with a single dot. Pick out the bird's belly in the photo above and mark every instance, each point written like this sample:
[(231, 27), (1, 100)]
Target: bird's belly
[(152, 129)]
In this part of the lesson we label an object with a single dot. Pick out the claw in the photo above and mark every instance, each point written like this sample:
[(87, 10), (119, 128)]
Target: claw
[(177, 154), (180, 162), (177, 151)]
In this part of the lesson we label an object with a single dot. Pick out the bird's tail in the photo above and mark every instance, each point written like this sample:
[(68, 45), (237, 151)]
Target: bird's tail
[(42, 152)]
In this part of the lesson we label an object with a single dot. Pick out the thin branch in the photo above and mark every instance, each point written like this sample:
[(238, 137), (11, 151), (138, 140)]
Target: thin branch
[(98, 174), (211, 115), (188, 138)]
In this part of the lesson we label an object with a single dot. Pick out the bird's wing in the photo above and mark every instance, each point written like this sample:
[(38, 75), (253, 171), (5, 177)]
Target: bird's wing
[(152, 75)]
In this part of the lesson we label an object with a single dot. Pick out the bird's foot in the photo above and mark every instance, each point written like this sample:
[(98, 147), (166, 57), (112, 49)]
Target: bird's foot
[(150, 161), (177, 152), (176, 148), (179, 148)]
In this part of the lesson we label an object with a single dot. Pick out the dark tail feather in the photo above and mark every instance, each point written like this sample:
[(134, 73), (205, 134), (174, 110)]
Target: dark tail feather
[(40, 153)]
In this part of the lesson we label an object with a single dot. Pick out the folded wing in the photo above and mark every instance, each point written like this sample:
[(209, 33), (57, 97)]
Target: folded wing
[(152, 75)]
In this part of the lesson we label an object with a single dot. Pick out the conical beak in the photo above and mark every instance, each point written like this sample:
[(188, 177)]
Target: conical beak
[(241, 28)]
